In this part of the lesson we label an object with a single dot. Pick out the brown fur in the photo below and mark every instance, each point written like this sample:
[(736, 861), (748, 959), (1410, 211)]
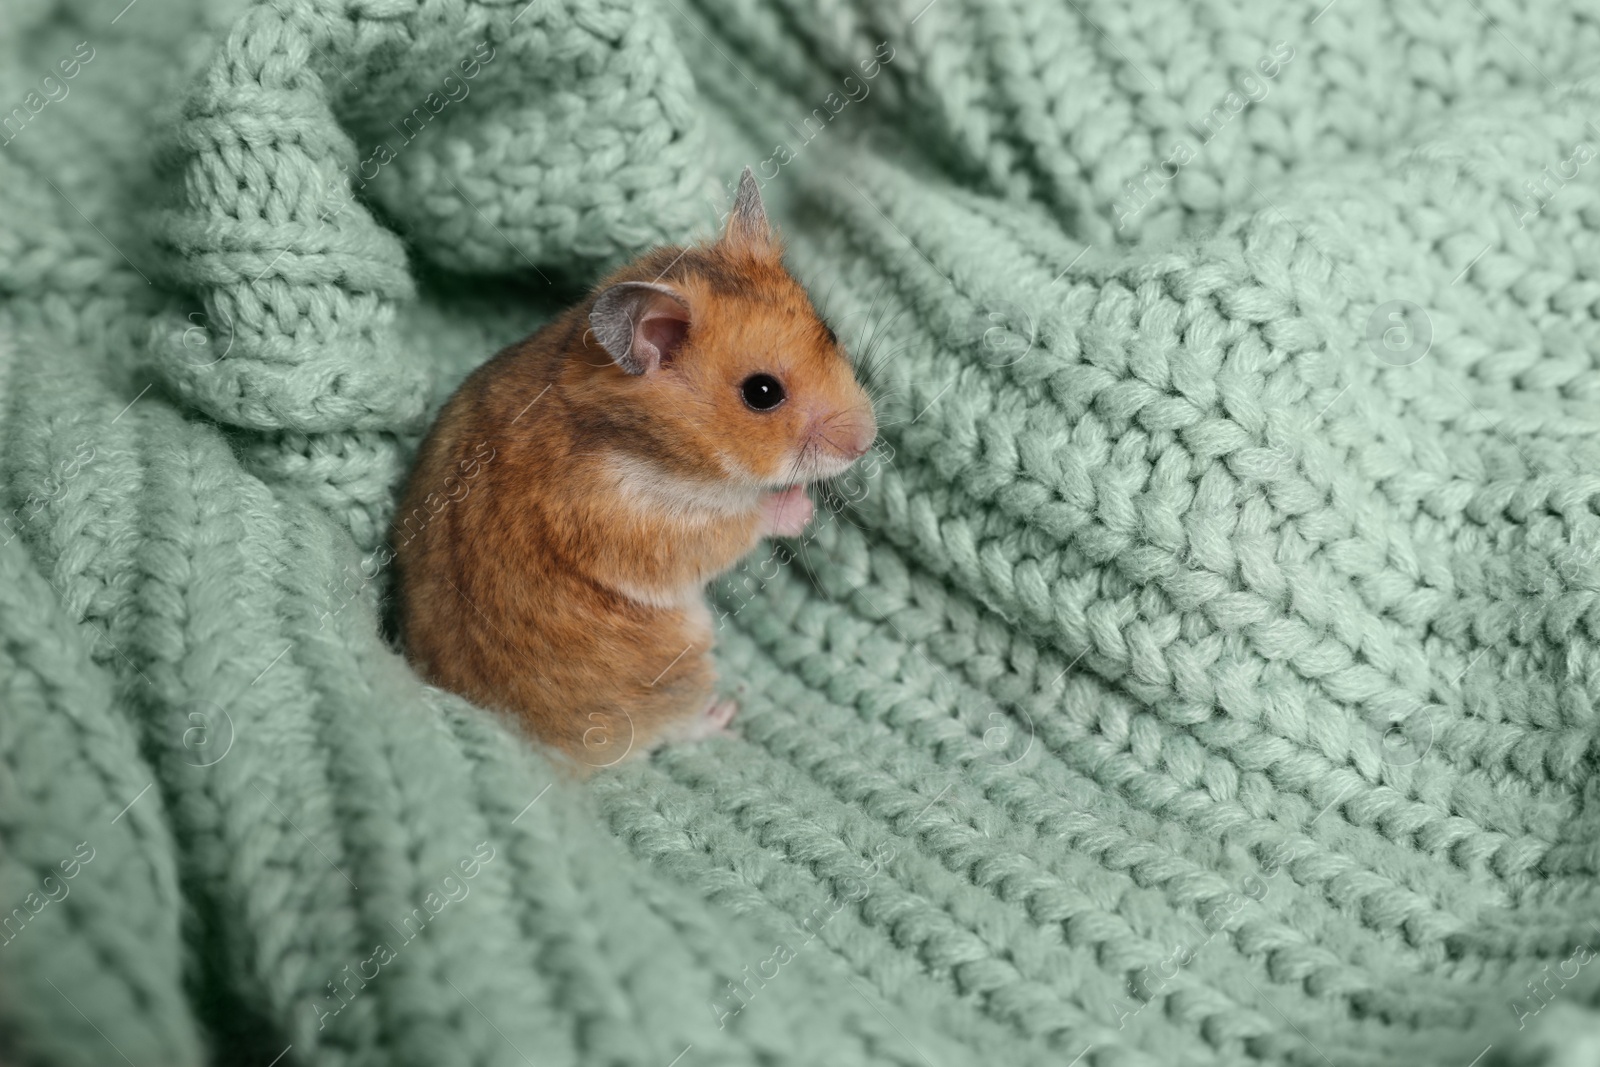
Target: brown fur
[(531, 581)]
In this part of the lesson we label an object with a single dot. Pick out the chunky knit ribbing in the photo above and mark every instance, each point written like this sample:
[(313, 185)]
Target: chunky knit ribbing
[(1192, 676)]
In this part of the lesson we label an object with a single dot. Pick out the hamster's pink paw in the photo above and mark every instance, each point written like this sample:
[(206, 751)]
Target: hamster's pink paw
[(713, 722), (787, 513)]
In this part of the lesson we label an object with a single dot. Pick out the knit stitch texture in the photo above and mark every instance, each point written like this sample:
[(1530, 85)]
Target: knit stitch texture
[(1202, 670)]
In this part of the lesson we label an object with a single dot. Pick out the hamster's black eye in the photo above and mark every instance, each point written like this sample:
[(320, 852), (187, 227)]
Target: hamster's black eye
[(762, 392)]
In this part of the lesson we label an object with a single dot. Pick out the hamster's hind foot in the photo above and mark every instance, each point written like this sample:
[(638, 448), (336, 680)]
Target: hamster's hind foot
[(713, 722)]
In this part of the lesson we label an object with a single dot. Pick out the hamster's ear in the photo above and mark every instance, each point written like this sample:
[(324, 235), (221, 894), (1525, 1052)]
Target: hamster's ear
[(747, 222), (640, 324)]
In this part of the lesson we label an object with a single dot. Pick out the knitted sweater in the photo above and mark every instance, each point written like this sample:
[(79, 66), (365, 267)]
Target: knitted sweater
[(1202, 670)]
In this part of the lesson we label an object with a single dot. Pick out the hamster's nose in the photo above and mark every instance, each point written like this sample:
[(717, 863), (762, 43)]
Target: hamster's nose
[(863, 432)]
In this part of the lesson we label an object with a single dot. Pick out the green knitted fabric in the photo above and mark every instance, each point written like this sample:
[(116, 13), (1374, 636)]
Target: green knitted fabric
[(1202, 670)]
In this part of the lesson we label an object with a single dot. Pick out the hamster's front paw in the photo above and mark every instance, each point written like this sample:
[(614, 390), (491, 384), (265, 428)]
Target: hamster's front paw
[(786, 514)]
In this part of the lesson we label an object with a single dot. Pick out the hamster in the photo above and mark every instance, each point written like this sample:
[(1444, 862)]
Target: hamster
[(580, 488)]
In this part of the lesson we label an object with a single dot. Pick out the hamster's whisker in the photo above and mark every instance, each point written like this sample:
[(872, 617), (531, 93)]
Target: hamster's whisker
[(878, 403), (837, 503), (805, 554), (890, 353), (791, 473), (831, 442), (874, 304), (872, 340), (888, 326), (831, 497), (877, 358), (880, 328)]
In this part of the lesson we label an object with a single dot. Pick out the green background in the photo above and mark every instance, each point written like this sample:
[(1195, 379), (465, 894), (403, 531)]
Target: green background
[(1203, 671)]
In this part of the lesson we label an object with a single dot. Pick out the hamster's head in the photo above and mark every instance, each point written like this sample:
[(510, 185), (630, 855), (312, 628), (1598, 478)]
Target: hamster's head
[(717, 367)]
